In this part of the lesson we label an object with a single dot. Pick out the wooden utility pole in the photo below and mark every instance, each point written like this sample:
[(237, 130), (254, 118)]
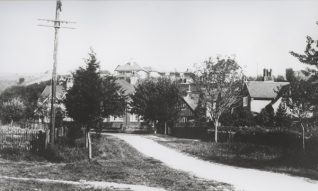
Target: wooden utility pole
[(57, 25)]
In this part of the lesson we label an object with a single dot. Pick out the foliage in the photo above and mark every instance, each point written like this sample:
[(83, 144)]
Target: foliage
[(28, 94), (282, 119), (266, 116), (299, 102), (290, 74), (279, 78), (310, 55), (220, 81), (92, 97), (12, 110), (257, 78), (156, 101), (238, 117)]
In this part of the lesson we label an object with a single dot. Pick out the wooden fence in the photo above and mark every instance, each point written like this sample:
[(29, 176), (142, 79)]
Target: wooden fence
[(24, 139)]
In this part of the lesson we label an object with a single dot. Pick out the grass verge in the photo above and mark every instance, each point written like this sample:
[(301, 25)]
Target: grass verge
[(114, 161), (293, 162)]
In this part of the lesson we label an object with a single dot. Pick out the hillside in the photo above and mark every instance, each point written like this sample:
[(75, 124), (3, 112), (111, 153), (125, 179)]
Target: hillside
[(11, 79)]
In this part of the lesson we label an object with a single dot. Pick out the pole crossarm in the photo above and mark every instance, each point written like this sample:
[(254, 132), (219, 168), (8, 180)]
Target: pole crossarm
[(55, 26), (61, 21)]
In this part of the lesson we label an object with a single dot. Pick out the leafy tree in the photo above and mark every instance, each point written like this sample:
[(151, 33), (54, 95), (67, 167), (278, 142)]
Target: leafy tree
[(290, 74), (28, 94), (92, 97), (266, 116), (299, 102), (310, 55), (220, 81), (257, 78), (12, 110), (238, 117), (282, 119), (280, 78), (157, 101), (21, 80)]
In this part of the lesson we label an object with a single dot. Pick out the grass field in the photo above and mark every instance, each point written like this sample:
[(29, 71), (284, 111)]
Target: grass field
[(262, 157), (114, 161)]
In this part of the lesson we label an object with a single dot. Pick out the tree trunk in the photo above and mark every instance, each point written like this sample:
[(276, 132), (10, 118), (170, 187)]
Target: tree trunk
[(86, 137), (216, 125), (166, 128), (155, 127), (303, 136)]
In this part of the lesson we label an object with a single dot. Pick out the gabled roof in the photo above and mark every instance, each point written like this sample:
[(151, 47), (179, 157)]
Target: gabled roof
[(126, 86), (192, 100), (128, 67), (47, 92), (264, 89)]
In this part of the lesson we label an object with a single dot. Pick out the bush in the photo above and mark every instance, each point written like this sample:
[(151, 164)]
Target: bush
[(65, 151), (239, 117), (73, 131), (266, 117)]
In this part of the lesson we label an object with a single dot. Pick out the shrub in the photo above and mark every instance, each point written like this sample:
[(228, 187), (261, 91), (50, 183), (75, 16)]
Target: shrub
[(266, 117)]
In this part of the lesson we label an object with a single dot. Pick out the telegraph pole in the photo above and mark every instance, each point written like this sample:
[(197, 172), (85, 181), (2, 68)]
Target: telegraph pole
[(57, 25)]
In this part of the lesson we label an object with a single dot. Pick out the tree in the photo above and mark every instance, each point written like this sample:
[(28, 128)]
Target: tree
[(220, 82), (282, 119), (257, 78), (12, 110), (300, 100), (299, 103), (238, 117), (280, 78), (290, 74), (92, 97), (266, 116), (310, 55), (27, 94), (157, 101)]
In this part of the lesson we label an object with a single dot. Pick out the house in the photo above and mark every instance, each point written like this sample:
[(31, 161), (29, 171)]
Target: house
[(128, 122), (188, 108), (258, 94), (131, 72), (44, 102)]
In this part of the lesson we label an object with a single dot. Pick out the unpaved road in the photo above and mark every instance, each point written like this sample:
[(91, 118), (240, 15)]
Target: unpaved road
[(240, 178)]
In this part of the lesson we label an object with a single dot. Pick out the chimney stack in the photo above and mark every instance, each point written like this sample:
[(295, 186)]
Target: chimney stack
[(267, 75)]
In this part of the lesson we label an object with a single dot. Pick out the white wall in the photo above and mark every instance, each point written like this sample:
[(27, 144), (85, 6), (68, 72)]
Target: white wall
[(258, 105)]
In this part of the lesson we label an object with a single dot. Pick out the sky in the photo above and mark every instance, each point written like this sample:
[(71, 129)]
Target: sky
[(168, 35)]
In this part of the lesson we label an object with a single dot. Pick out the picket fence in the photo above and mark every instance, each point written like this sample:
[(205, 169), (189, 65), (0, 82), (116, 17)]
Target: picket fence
[(24, 139)]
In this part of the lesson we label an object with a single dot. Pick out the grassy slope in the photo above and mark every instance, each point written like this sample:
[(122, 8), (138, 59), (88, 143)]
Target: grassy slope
[(114, 161), (247, 155), (31, 185)]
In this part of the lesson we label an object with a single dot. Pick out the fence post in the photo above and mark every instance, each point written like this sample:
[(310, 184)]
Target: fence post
[(47, 138), (89, 146)]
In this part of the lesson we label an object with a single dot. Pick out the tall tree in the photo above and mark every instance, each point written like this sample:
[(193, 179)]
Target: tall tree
[(157, 101), (299, 102), (92, 97), (310, 55), (220, 81)]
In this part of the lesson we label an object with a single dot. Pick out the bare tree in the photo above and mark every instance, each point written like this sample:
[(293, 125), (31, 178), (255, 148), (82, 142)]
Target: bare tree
[(220, 82)]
